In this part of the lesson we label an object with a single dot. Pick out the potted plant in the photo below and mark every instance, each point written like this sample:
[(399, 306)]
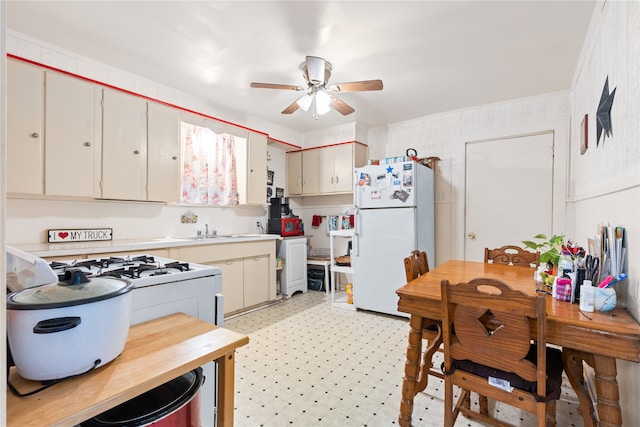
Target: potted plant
[(550, 249)]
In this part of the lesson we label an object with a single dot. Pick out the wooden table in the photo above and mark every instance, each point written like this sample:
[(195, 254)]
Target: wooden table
[(596, 338), (155, 353)]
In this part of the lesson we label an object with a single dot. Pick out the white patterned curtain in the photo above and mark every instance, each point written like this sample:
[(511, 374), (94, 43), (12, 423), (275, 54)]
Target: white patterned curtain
[(209, 167)]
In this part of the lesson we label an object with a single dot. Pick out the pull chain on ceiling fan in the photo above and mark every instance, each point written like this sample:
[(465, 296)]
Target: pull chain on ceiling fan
[(319, 96)]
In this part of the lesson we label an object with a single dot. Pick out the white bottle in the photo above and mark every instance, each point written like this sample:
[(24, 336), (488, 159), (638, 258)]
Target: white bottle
[(587, 296)]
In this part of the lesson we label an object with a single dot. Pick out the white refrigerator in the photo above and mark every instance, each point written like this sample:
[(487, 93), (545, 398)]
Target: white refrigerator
[(394, 216)]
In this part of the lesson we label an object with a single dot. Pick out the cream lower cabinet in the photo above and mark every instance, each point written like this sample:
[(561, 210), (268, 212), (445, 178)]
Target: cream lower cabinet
[(248, 270), (243, 282)]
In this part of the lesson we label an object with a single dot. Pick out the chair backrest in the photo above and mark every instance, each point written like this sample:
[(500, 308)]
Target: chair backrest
[(492, 326), (511, 255), (415, 265)]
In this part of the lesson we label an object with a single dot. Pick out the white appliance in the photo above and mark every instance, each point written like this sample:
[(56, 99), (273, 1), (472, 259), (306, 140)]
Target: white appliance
[(394, 216), (294, 273), (161, 287)]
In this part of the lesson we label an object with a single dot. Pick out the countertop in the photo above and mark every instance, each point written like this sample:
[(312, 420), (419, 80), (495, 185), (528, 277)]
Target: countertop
[(124, 245), (171, 345)]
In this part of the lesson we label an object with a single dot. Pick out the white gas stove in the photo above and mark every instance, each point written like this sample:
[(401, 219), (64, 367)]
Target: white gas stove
[(161, 287)]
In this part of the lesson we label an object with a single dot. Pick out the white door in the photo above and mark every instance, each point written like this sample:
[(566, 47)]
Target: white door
[(509, 191)]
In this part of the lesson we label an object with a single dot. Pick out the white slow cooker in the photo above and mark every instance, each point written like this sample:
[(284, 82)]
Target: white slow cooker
[(69, 327)]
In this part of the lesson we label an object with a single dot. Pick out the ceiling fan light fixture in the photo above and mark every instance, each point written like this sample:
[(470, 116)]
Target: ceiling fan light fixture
[(315, 69), (304, 102), (323, 102)]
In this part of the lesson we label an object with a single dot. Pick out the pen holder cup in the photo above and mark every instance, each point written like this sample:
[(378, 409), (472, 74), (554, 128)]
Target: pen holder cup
[(605, 299)]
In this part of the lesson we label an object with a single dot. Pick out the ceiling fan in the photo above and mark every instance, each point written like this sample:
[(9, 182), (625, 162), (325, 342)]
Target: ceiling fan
[(319, 95)]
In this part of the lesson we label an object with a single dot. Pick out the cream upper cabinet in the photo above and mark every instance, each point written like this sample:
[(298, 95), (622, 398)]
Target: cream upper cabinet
[(124, 146), (25, 140), (72, 124), (294, 173), (251, 167), (310, 171), (163, 153)]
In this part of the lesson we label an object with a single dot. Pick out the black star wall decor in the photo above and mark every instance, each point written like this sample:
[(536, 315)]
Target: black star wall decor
[(603, 116)]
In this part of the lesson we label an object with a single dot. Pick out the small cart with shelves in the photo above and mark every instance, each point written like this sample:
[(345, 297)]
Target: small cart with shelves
[(339, 300)]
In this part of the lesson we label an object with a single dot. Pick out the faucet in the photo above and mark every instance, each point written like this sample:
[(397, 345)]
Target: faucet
[(213, 233)]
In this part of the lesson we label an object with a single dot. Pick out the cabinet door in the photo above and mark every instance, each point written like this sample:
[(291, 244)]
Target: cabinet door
[(163, 153), (70, 123), (124, 146), (294, 173), (25, 85), (257, 169), (256, 280), (343, 168), (310, 171), (232, 283), (326, 170), (296, 263)]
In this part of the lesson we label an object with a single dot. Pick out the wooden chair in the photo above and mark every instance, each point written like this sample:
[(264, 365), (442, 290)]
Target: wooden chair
[(415, 265), (490, 350), (511, 255)]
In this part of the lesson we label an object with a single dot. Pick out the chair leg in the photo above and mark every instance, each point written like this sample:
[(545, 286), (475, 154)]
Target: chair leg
[(484, 405), (427, 363)]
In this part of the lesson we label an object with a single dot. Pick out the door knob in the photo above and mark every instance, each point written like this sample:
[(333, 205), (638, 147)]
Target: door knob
[(472, 236)]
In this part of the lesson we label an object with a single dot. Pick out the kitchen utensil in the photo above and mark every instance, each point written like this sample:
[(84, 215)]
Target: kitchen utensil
[(69, 327)]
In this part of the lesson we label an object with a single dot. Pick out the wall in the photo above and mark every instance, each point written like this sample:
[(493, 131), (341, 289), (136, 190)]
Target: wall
[(444, 135), (605, 181), (28, 219)]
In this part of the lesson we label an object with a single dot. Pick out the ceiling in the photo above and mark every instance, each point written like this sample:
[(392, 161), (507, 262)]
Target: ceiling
[(433, 56)]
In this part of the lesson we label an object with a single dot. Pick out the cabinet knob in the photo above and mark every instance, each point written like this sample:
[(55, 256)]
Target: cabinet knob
[(174, 158), (87, 144), (136, 151), (35, 135), (472, 235)]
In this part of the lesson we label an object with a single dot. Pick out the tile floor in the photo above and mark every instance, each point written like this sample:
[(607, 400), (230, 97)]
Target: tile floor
[(309, 364)]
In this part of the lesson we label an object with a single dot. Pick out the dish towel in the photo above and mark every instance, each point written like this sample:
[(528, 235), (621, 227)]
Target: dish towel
[(316, 221)]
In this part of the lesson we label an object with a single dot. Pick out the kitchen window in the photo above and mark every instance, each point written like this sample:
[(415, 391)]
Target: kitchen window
[(209, 175)]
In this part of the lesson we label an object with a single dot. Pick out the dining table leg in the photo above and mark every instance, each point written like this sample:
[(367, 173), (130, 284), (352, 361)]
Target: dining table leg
[(608, 395), (411, 370)]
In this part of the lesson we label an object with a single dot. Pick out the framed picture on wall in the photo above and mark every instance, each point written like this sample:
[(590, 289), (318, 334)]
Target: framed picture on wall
[(584, 134)]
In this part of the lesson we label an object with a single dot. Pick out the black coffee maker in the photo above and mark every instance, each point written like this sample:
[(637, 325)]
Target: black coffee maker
[(279, 208)]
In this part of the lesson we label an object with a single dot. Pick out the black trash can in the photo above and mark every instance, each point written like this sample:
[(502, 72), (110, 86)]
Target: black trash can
[(173, 404), (315, 280)]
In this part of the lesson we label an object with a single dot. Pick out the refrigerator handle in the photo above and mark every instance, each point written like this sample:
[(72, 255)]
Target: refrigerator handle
[(356, 236)]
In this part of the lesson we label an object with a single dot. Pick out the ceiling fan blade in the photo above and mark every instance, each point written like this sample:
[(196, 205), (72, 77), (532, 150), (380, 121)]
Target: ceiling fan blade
[(314, 70), (276, 86), (291, 108), (341, 106), (362, 86)]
